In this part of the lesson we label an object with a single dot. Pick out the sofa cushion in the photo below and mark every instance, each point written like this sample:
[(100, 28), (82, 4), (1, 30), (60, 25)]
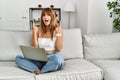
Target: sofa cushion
[(111, 68), (105, 46), (9, 71), (22, 37), (74, 69), (72, 44), (10, 42), (8, 48)]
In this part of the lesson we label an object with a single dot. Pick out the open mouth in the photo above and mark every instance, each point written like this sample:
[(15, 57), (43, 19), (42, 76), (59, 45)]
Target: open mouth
[(46, 20)]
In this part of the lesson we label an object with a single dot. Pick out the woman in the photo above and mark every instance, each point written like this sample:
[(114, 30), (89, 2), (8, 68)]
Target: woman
[(48, 35)]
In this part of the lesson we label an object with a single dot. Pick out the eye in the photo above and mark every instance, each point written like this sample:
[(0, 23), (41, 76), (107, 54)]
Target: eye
[(48, 14), (43, 14)]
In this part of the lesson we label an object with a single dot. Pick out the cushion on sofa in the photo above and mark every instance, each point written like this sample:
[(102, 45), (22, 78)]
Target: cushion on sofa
[(72, 44), (75, 69), (9, 71), (102, 46), (8, 48), (111, 68), (22, 37)]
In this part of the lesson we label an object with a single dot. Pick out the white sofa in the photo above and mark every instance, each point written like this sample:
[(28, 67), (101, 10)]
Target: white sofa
[(87, 57)]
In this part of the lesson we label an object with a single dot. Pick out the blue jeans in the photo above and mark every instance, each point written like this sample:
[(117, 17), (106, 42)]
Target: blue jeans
[(55, 62)]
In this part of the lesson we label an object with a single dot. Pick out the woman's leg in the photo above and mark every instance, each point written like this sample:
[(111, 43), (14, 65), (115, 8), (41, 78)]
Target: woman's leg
[(55, 62), (27, 64)]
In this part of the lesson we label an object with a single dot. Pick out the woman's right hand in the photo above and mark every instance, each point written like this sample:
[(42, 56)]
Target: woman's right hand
[(34, 28), (34, 34)]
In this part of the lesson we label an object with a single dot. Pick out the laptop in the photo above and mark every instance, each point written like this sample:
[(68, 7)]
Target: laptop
[(34, 53)]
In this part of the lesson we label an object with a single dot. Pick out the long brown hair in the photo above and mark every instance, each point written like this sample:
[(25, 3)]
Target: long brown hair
[(53, 22)]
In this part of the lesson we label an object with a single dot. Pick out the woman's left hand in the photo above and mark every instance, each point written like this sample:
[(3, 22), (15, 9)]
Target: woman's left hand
[(59, 30), (59, 41)]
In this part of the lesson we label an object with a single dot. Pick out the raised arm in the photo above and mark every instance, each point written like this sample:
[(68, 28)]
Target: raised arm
[(59, 41), (34, 35)]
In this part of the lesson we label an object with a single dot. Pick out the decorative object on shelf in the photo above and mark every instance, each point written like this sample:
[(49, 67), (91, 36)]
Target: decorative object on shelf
[(52, 6), (56, 14), (40, 5), (114, 6), (69, 8)]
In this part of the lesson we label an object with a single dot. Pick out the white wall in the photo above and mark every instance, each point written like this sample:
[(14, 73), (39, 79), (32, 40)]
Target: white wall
[(10, 7), (98, 17), (0, 13), (92, 16), (82, 15)]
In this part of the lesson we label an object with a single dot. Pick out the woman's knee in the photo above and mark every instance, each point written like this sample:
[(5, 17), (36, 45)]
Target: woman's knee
[(18, 59), (59, 60)]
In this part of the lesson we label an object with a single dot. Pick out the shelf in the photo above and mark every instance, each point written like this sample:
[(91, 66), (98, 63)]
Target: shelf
[(35, 21), (35, 13)]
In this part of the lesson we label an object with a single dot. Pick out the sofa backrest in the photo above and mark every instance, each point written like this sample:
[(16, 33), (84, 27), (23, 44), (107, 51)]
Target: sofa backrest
[(102, 46), (11, 40), (72, 44), (9, 43)]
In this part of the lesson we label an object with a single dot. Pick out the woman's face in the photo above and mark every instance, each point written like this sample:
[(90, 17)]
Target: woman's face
[(46, 19)]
